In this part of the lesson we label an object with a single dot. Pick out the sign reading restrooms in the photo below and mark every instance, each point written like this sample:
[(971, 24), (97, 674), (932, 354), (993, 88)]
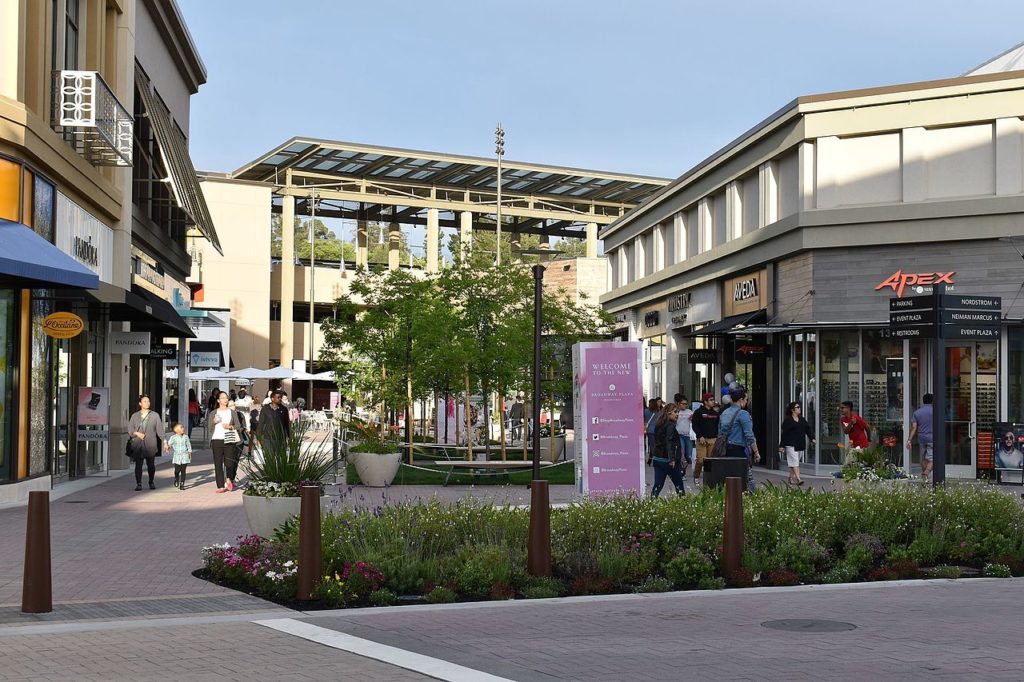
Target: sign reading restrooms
[(608, 390)]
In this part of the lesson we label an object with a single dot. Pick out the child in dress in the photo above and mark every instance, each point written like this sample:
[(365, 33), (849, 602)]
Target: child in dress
[(181, 447)]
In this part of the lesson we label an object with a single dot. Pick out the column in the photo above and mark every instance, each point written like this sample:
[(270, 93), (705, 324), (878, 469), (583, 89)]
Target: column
[(287, 353), (516, 243), (394, 246), (362, 250), (591, 240), (433, 236), (465, 234)]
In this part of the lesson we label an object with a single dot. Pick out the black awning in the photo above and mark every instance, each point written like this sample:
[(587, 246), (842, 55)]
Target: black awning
[(148, 312), (29, 261), (208, 347), (723, 327)]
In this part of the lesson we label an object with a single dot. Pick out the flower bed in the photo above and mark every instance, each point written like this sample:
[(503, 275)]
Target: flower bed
[(472, 551)]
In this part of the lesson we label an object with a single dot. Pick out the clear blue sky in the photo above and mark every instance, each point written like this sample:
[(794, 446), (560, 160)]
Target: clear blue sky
[(642, 86)]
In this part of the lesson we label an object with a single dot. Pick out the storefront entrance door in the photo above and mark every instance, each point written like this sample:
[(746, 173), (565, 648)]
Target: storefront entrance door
[(971, 400)]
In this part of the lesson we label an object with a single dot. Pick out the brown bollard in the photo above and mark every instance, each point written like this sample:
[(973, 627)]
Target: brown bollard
[(732, 535), (37, 588), (538, 547), (310, 551)]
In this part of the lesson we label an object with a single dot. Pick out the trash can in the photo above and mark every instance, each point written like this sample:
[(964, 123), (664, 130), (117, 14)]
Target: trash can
[(717, 469)]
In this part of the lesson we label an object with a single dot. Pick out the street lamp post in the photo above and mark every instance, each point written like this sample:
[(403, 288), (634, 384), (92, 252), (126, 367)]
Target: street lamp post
[(538, 552), (312, 288), (499, 151)]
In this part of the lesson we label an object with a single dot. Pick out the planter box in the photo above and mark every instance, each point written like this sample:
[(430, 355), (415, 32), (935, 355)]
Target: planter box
[(376, 471), (266, 514)]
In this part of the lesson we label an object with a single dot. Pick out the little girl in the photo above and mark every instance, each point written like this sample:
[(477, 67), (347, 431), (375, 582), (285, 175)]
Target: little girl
[(181, 446)]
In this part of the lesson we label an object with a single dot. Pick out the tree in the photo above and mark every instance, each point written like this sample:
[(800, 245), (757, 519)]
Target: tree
[(328, 247), (483, 248)]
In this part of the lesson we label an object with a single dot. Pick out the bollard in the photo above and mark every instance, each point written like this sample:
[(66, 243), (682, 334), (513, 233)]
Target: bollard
[(309, 542), (37, 588), (538, 547), (732, 535)]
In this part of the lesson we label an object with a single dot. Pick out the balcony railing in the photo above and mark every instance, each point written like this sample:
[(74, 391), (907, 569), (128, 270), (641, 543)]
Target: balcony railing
[(91, 119)]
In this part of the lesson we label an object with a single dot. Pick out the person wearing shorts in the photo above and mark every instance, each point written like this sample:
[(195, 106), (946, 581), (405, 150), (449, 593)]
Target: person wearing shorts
[(793, 441), (921, 426)]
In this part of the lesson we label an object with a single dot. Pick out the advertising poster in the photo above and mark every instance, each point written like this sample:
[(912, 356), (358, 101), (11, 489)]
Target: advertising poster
[(93, 406), (608, 394), (1008, 440)]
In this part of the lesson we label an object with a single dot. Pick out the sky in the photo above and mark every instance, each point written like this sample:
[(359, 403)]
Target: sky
[(642, 87)]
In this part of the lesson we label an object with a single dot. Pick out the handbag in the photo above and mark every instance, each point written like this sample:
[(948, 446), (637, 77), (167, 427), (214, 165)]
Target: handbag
[(719, 449), (231, 435)]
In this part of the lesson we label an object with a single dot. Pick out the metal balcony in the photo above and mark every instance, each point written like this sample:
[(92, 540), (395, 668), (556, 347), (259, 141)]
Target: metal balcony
[(91, 119)]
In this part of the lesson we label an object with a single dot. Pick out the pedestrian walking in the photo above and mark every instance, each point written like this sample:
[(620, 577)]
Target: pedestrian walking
[(793, 442), (921, 426), (274, 424), (705, 427), (181, 453), (194, 410), (146, 431), (515, 417), (854, 425), (222, 425), (737, 427), (667, 456), (651, 413), (684, 428)]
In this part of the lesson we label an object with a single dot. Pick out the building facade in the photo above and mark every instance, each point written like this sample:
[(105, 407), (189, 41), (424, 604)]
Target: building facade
[(772, 263), (94, 99)]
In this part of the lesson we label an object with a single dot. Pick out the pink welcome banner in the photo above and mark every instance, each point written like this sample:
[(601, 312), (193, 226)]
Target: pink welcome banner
[(608, 393)]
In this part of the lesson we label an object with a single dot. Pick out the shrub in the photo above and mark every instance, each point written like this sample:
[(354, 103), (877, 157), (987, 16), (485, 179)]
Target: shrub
[(801, 555), (543, 588), (841, 573), (384, 597), (613, 566), (741, 577), (480, 569), (440, 595), (948, 572), (860, 559), (1015, 565), (906, 569), (997, 571), (715, 583), (589, 584), (654, 584), (882, 573), (994, 545), (688, 568), (927, 549), (353, 585), (782, 577), (577, 564), (871, 543)]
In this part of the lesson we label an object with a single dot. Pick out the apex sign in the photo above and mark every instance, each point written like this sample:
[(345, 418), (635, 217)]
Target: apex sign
[(899, 280)]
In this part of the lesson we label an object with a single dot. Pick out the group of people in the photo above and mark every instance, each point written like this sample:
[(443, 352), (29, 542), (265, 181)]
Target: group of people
[(233, 423), (678, 435)]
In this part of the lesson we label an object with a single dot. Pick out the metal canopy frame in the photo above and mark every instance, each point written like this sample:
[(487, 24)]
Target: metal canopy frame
[(356, 181)]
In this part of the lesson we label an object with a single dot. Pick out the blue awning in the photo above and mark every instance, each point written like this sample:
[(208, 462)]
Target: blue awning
[(29, 261)]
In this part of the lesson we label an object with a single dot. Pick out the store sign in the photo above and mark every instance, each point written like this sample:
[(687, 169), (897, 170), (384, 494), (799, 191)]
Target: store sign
[(62, 325), (162, 351), (81, 235), (204, 359), (702, 356), (750, 351), (746, 294), (608, 391), (652, 320), (129, 343), (917, 281), (620, 320), (93, 406)]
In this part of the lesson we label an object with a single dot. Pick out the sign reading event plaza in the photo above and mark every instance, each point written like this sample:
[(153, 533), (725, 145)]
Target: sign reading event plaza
[(607, 389)]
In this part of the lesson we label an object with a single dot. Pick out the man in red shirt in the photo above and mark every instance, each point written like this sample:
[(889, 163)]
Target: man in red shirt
[(854, 425)]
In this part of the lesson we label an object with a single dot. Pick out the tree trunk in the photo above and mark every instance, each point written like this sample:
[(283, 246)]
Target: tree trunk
[(501, 418), (469, 422)]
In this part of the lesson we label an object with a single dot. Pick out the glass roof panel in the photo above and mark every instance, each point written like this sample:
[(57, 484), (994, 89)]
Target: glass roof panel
[(351, 167), (326, 165), (419, 162), (561, 189), (519, 185), (458, 178), (581, 191), (277, 159), (297, 147), (439, 165), (370, 157), (397, 172), (421, 175)]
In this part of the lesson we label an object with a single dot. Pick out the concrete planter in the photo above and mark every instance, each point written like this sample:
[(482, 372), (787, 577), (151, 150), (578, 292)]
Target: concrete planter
[(267, 514), (376, 471)]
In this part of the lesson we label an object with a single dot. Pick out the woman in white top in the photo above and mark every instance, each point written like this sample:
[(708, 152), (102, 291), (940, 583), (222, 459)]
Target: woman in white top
[(222, 425)]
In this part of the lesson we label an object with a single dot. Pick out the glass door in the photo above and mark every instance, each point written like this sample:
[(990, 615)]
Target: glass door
[(961, 398)]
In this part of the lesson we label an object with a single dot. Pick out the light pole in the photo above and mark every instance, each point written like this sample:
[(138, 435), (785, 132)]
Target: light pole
[(538, 551), (312, 289), (499, 151)]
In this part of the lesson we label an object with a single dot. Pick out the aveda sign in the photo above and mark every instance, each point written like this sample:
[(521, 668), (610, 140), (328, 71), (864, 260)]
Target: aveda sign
[(746, 293), (62, 325)]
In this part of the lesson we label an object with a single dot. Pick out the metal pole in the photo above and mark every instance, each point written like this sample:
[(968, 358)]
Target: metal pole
[(732, 533), (499, 151), (312, 289), (310, 558), (538, 547), (538, 284), (37, 585), (939, 395)]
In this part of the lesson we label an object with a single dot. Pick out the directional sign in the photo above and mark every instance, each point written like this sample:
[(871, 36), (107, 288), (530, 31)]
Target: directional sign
[(912, 303), (975, 317), (912, 317), (921, 332), (965, 302), (977, 332)]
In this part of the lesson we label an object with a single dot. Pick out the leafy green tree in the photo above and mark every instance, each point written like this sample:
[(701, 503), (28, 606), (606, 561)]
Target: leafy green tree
[(328, 246)]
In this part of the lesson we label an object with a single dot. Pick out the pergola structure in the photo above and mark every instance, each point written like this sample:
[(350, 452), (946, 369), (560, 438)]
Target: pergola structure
[(366, 183)]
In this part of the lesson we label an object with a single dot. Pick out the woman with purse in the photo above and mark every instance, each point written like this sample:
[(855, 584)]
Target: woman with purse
[(795, 433), (736, 431), (668, 452), (145, 433), (222, 425)]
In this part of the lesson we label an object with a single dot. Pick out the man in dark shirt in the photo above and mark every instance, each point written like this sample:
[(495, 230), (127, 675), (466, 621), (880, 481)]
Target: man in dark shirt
[(705, 427), (274, 422)]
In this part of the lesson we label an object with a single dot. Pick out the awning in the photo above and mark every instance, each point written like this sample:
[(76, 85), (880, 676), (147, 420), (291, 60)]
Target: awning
[(723, 327), (148, 312), (180, 171), (29, 261), (208, 347)]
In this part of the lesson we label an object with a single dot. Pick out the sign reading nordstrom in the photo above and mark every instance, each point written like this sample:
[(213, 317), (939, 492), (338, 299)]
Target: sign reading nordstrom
[(129, 343)]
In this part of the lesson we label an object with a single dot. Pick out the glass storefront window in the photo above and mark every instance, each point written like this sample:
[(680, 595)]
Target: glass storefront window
[(1015, 375), (7, 360), (884, 390), (656, 365), (840, 380), (41, 390)]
